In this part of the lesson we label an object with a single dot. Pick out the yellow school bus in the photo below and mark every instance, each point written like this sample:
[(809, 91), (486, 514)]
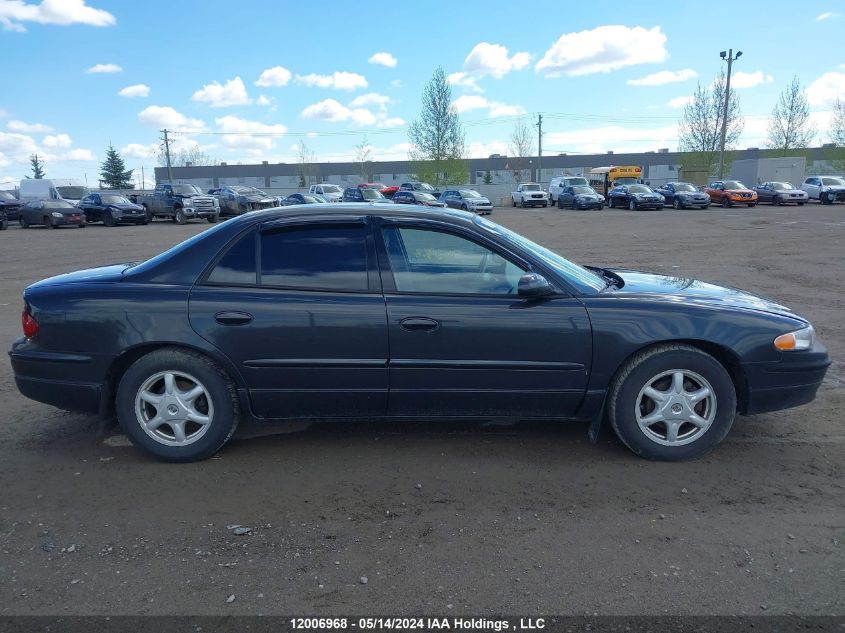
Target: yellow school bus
[(603, 179)]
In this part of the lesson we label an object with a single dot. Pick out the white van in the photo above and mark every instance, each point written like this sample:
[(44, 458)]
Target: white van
[(53, 189), (561, 182)]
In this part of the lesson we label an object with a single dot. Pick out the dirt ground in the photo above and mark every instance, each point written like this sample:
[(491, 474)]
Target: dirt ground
[(446, 519)]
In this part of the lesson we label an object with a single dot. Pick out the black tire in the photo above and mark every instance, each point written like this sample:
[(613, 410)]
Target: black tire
[(559, 203), (776, 201), (108, 219), (48, 223), (81, 225), (638, 372), (706, 206), (611, 204), (179, 216), (4, 224), (800, 204), (752, 204), (574, 206), (23, 222), (213, 218), (150, 216), (826, 198), (632, 205), (676, 203), (143, 222), (222, 394), (726, 203)]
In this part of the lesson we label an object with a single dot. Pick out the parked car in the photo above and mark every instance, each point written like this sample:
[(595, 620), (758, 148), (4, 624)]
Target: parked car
[(4, 221), (332, 193), (303, 198), (435, 316), (51, 214), (579, 197), (634, 197), (529, 194), (561, 182), (68, 189), (354, 194), (383, 189), (111, 209), (468, 200), (10, 205), (389, 192), (780, 193), (683, 195), (237, 199), (417, 197), (825, 189), (730, 192), (420, 186), (180, 203)]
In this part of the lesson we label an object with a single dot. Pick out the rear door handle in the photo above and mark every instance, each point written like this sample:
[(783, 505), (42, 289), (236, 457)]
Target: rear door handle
[(233, 318), (419, 324)]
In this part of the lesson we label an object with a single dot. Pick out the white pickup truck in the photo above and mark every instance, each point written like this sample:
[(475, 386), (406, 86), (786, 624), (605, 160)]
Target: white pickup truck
[(529, 194)]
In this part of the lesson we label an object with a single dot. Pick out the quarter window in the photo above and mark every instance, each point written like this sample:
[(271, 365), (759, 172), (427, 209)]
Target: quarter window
[(435, 262)]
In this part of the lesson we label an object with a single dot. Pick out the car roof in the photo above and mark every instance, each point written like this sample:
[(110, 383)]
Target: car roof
[(380, 209)]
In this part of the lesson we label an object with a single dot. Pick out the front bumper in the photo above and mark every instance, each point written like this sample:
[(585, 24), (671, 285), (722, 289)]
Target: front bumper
[(535, 202), (694, 202), (789, 382), (588, 204), (201, 212), (482, 208), (132, 216)]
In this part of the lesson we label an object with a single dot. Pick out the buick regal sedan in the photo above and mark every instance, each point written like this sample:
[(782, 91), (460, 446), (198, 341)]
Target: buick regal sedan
[(350, 311)]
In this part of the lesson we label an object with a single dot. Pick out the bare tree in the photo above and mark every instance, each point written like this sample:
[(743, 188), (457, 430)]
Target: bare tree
[(437, 137), (363, 155), (790, 126), (192, 156), (700, 129), (521, 146), (837, 124), (306, 161)]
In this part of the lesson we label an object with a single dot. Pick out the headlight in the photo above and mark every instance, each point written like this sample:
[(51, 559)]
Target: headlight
[(56, 214), (796, 341)]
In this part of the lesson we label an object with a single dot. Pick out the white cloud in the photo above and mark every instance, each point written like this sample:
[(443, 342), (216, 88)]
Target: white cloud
[(824, 90), (464, 81), (139, 151), (337, 80), (17, 147), (467, 103), (493, 59), (664, 77), (29, 128), (264, 100), (135, 90), (369, 99), (217, 95), (3, 114), (383, 59), (78, 155), (598, 140), (479, 149), (828, 15), (60, 12), (333, 111), (397, 83), (161, 117), (58, 140), (274, 77), (242, 133), (104, 69), (679, 102), (740, 80), (390, 122), (602, 50)]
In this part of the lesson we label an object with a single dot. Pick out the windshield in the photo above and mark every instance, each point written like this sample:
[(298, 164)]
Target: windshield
[(684, 186), (583, 280), (371, 194), (531, 187), (187, 190), (469, 193), (331, 189), (424, 197), (583, 189), (782, 186), (113, 199), (312, 199), (733, 185), (833, 181), (625, 181), (248, 191), (72, 193), (58, 204), (638, 189), (5, 195), (577, 181), (424, 186)]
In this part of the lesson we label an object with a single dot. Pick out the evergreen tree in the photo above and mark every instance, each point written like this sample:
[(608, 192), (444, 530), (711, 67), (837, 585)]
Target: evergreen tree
[(113, 172), (37, 167)]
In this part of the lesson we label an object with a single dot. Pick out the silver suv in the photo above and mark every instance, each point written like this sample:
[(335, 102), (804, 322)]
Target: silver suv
[(825, 189)]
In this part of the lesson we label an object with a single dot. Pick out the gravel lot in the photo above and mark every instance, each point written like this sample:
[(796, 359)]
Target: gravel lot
[(459, 519)]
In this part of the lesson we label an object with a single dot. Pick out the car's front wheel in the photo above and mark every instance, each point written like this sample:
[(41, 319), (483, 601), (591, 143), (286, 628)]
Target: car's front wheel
[(177, 405), (672, 402), (676, 203), (632, 205), (179, 216)]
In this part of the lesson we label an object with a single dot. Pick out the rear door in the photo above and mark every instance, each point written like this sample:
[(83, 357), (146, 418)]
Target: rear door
[(298, 308), (462, 343)]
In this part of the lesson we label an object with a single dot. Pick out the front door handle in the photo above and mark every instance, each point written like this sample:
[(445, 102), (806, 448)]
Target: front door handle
[(419, 324), (233, 318)]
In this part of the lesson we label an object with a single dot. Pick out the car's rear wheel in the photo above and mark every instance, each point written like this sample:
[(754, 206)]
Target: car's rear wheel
[(23, 222), (672, 402), (177, 405), (559, 203)]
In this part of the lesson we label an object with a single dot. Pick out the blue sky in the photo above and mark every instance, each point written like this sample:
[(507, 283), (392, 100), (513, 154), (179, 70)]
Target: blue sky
[(248, 81)]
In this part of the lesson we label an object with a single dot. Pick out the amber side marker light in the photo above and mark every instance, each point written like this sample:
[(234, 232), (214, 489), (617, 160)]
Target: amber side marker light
[(796, 341)]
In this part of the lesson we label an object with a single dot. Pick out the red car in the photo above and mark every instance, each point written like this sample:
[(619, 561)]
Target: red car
[(382, 188)]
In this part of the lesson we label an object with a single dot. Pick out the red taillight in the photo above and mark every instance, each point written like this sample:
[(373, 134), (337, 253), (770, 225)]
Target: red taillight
[(30, 325)]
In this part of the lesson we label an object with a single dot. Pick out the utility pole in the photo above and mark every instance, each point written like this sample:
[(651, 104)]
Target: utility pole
[(730, 59), (539, 148), (142, 187), (167, 155)]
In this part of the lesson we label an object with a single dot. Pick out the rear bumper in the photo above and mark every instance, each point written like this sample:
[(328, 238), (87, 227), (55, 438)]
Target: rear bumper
[(788, 383)]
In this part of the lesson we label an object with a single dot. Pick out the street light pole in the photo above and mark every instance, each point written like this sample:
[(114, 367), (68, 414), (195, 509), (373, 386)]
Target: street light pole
[(730, 59)]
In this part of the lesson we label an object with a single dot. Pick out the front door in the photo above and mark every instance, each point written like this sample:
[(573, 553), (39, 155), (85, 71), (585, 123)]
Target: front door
[(299, 310), (462, 343)]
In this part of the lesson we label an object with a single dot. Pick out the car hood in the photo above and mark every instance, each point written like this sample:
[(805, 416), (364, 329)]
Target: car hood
[(691, 194), (653, 284), (738, 191), (127, 207), (645, 195), (101, 274)]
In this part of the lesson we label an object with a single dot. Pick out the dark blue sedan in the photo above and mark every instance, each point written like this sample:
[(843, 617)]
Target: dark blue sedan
[(346, 311)]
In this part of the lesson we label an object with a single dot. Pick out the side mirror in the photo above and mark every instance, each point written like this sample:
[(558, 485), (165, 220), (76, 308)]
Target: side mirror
[(532, 285)]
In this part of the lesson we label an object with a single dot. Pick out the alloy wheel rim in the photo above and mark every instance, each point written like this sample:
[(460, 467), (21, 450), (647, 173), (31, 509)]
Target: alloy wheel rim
[(174, 408), (675, 407)]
